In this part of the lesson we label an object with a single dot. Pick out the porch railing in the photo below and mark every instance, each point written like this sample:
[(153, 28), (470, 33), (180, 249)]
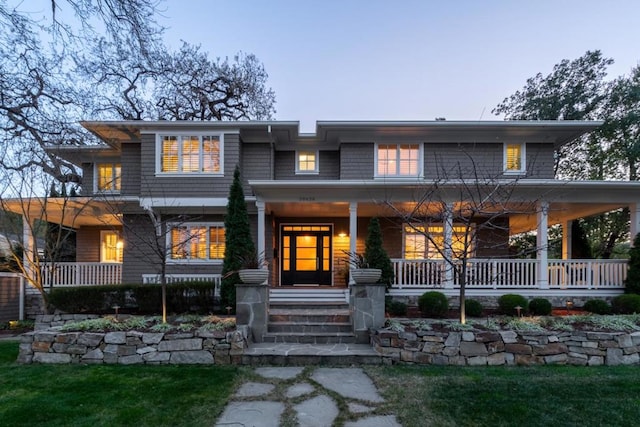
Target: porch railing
[(511, 274), (80, 274)]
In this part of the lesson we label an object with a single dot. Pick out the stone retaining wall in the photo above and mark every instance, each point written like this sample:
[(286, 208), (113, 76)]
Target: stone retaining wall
[(133, 347), (508, 348)]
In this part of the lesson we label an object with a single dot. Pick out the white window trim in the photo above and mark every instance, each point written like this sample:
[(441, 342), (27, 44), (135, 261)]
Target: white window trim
[(523, 158), (96, 177), (429, 243), (178, 135), (102, 254), (316, 171), (420, 160), (207, 261)]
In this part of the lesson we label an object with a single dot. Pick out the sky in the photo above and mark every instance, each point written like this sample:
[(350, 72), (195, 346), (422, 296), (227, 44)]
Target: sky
[(404, 60)]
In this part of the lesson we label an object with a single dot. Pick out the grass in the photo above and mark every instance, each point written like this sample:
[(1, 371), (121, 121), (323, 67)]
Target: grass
[(76, 395), (103, 395), (511, 396)]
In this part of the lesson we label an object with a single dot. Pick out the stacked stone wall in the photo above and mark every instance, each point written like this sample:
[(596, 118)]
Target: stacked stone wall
[(475, 348)]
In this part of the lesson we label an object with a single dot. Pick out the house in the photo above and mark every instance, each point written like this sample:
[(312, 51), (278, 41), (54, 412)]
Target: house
[(310, 198)]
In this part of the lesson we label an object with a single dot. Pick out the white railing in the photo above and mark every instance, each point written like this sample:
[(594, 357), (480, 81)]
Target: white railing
[(510, 274), (80, 274), (182, 278), (587, 273)]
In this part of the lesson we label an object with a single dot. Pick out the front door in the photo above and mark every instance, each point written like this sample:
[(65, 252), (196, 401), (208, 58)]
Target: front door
[(306, 255)]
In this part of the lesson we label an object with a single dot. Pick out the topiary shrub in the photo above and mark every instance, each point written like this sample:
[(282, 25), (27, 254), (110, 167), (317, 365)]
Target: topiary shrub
[(507, 304), (626, 304), (375, 254), (597, 306), (396, 308), (433, 304), (540, 307), (472, 308)]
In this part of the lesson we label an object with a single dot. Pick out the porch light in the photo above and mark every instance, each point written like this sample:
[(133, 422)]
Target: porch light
[(119, 244), (518, 310), (342, 234), (569, 305)]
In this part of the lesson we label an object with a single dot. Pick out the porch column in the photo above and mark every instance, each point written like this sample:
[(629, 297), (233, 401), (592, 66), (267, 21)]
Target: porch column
[(28, 249), (566, 239), (542, 243), (261, 228), (634, 226), (447, 228), (353, 231)]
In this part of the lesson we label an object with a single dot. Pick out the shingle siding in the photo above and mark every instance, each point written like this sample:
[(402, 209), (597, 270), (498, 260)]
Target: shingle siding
[(131, 163), (328, 166), (356, 161)]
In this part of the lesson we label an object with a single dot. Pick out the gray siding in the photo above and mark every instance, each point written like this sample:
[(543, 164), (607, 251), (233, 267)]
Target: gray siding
[(9, 297), (87, 179), (130, 169), (540, 161), (459, 161), (257, 161), (88, 243), (188, 186), (356, 161), (328, 166)]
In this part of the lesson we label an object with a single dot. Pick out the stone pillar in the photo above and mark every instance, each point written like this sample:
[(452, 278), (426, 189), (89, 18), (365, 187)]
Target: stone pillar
[(566, 239), (542, 244), (367, 308), (252, 302)]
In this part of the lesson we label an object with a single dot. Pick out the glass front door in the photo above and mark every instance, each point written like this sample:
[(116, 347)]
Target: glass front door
[(306, 255)]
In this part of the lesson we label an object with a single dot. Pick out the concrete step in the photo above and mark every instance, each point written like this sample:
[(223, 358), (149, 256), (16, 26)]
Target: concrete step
[(280, 354), (306, 295), (305, 315), (310, 327), (309, 338)]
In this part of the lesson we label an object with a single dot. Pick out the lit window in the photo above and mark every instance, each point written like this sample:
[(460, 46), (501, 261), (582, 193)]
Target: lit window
[(110, 246), (109, 178), (428, 242), (398, 160), (514, 158), (196, 242), (306, 162), (190, 154)]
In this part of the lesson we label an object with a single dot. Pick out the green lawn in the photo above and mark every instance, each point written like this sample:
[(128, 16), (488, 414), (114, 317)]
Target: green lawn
[(76, 395), (511, 396)]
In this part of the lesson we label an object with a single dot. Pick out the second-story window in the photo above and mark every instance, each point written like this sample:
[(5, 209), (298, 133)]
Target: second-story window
[(398, 160), (514, 158), (108, 177), (306, 162), (190, 154)]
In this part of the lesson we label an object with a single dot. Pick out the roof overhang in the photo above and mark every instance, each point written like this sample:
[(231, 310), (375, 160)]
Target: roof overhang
[(70, 212)]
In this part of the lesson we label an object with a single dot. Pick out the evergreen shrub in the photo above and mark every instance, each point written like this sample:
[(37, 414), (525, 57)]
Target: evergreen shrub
[(472, 308), (507, 304), (375, 255), (626, 304), (396, 308), (540, 307), (597, 306), (433, 304), (632, 282)]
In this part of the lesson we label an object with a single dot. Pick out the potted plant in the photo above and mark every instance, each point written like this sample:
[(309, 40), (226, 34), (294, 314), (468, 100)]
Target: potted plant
[(361, 273), (253, 269)]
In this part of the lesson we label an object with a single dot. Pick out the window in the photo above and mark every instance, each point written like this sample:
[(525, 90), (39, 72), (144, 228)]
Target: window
[(196, 242), (108, 177), (307, 162), (110, 246), (190, 154), (417, 244), (514, 158), (398, 160)]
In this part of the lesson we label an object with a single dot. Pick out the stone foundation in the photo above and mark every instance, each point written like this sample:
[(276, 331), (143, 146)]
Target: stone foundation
[(491, 302), (133, 347), (473, 348)]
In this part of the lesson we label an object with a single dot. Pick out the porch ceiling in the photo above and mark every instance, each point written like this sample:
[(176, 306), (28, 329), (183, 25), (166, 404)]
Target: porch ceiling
[(70, 212)]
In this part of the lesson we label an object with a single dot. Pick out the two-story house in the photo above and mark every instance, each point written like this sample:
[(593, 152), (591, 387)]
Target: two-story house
[(310, 198)]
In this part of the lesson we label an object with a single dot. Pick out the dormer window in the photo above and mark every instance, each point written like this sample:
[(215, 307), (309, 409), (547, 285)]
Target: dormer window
[(307, 162), (108, 177), (514, 158), (190, 154), (398, 160)]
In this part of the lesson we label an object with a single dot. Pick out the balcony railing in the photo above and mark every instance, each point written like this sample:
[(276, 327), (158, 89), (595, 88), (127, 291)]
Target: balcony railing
[(510, 274)]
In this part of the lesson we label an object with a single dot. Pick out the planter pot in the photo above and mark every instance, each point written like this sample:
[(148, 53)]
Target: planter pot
[(366, 275), (254, 276)]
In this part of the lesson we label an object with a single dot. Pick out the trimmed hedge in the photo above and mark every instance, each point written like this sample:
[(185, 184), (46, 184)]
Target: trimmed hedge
[(597, 306), (191, 297), (626, 304), (433, 304), (540, 307), (507, 304), (472, 308), (396, 308)]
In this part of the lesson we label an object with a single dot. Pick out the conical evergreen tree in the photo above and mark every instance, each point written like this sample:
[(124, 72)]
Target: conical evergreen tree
[(238, 242), (632, 282), (580, 246), (375, 254)]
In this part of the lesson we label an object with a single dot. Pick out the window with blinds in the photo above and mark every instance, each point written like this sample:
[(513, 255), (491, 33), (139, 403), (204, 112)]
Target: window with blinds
[(398, 160), (190, 154), (108, 177), (196, 242), (422, 242), (514, 158)]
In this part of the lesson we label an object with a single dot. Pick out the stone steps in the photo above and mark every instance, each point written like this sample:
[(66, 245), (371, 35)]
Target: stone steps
[(287, 354)]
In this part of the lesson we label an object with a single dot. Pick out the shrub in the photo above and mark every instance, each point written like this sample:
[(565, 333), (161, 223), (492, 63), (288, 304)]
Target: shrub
[(433, 304), (507, 304), (472, 308), (375, 254), (632, 282), (540, 307), (597, 306), (626, 304), (396, 308)]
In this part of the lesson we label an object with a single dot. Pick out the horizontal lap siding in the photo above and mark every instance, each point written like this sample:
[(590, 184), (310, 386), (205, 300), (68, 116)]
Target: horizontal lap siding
[(193, 185), (9, 297), (328, 166), (256, 161), (356, 161), (88, 243), (130, 163)]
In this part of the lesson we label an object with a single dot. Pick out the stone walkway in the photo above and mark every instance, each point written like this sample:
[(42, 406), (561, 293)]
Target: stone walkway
[(308, 397)]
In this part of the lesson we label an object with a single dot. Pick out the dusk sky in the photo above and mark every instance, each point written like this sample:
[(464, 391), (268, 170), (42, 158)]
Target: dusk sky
[(404, 60)]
